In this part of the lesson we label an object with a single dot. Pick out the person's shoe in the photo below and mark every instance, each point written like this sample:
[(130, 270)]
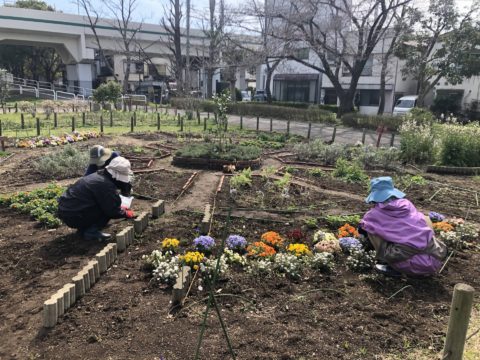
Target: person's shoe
[(387, 270), (96, 236)]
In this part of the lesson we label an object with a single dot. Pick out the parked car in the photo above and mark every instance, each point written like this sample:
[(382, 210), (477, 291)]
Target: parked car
[(246, 96), (260, 95), (405, 104)]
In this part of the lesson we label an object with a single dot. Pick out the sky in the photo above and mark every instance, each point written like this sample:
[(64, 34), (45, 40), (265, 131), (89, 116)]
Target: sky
[(151, 11)]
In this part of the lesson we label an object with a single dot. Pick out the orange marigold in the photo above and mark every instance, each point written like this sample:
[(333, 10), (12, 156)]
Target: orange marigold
[(347, 230), (272, 238), (442, 226), (260, 249)]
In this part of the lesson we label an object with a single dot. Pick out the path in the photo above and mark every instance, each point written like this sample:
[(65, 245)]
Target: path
[(344, 135)]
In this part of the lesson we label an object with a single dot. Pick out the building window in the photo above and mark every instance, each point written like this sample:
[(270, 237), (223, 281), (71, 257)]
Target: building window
[(369, 97), (368, 68), (303, 53)]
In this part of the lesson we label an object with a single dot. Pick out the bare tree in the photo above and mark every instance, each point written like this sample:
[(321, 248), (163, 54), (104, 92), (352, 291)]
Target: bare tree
[(342, 34), (401, 24), (93, 17), (122, 12), (171, 22)]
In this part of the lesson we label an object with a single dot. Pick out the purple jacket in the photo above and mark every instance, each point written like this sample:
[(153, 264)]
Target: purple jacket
[(398, 222)]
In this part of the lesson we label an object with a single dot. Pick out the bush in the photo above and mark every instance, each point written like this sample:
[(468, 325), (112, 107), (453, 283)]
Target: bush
[(417, 143), (460, 146), (313, 113), (110, 92), (26, 107), (212, 151), (65, 163), (357, 120)]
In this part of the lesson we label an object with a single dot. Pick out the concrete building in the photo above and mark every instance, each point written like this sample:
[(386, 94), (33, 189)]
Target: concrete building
[(71, 36)]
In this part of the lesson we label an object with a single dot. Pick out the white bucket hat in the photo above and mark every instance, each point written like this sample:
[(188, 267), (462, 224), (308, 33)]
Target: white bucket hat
[(120, 169)]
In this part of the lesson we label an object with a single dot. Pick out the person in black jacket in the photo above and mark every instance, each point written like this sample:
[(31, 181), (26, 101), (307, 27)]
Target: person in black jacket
[(90, 203)]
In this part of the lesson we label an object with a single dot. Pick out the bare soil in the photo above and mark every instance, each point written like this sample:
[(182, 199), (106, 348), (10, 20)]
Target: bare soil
[(125, 316)]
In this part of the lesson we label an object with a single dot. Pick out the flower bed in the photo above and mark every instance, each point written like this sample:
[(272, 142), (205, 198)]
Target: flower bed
[(52, 140)]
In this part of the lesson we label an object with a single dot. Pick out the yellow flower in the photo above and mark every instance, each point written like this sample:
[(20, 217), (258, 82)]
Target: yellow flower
[(193, 258), (298, 249), (170, 244)]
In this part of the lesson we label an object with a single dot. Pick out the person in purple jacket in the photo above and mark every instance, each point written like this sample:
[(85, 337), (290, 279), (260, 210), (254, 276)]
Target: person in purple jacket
[(401, 235)]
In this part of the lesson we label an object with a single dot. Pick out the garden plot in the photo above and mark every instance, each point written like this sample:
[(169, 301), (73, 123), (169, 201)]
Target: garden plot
[(336, 315), (280, 194), (161, 184), (34, 263)]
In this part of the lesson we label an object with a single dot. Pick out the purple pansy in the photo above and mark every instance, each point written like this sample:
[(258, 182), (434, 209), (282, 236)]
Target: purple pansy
[(436, 217), (348, 243), (204, 243), (236, 242)]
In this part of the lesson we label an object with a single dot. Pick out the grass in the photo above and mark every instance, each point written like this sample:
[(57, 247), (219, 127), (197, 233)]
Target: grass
[(11, 124)]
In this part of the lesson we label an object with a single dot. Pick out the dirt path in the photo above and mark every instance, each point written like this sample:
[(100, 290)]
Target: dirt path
[(202, 192)]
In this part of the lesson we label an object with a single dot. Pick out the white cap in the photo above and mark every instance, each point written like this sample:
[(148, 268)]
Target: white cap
[(120, 169)]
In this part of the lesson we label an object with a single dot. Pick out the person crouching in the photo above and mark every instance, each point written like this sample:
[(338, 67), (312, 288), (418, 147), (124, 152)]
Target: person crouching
[(90, 203), (402, 236)]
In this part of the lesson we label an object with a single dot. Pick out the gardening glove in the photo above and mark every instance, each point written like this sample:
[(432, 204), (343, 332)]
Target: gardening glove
[(129, 214)]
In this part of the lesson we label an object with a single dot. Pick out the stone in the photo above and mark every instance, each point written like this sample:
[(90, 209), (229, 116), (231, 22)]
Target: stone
[(114, 251), (96, 269), (86, 279), (66, 298), (180, 288), (138, 225)]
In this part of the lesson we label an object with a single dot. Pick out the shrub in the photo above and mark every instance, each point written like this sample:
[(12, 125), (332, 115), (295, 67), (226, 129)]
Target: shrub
[(110, 92), (357, 120), (336, 221), (26, 107), (212, 151), (417, 143), (460, 146), (67, 162), (349, 172), (48, 107)]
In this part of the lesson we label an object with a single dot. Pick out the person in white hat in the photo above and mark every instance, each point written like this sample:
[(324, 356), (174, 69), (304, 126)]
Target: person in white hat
[(100, 157), (90, 203)]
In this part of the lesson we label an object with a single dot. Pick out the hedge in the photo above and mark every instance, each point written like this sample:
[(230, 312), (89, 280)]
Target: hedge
[(312, 114), (357, 120)]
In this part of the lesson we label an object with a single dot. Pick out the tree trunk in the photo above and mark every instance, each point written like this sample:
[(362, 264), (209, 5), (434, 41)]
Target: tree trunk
[(346, 103), (209, 83), (268, 91), (127, 75), (383, 75)]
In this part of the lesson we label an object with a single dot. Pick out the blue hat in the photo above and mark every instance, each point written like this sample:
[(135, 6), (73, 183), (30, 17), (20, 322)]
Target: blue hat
[(382, 189)]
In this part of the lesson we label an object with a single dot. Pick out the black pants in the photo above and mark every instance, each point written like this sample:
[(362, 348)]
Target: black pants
[(84, 221)]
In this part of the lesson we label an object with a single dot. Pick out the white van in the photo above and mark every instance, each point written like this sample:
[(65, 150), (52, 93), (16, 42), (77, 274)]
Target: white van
[(405, 104)]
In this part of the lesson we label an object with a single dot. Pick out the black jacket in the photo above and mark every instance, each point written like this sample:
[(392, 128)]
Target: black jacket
[(92, 194)]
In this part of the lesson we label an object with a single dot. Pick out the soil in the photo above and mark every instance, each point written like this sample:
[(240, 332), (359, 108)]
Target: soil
[(263, 195), (320, 316), (342, 315)]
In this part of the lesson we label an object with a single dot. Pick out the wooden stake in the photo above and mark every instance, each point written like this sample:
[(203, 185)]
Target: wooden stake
[(458, 323), (79, 286), (50, 314)]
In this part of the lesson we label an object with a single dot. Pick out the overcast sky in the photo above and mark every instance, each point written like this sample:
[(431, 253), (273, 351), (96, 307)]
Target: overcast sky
[(151, 11)]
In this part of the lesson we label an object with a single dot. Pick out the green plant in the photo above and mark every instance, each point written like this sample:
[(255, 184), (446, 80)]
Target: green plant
[(290, 169), (417, 142), (315, 172), (284, 182), (111, 92), (460, 145), (212, 151), (311, 223), (41, 204), (349, 171), (242, 179), (67, 162), (268, 172), (138, 150), (4, 87), (336, 221)]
